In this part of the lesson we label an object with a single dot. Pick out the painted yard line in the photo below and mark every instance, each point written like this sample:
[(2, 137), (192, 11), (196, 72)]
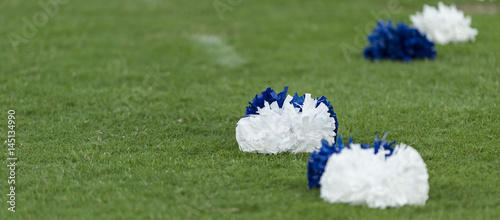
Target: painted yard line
[(222, 53)]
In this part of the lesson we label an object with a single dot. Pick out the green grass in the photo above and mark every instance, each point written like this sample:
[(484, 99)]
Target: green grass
[(122, 115)]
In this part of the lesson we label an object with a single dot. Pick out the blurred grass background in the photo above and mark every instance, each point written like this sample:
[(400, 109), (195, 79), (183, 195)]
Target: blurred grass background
[(123, 114)]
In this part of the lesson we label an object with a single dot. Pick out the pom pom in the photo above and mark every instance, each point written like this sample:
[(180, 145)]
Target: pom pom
[(276, 123), (377, 176), (400, 43), (317, 161), (445, 24)]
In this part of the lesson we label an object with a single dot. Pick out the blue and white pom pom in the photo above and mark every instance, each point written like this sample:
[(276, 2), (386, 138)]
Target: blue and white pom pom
[(378, 176), (445, 24), (276, 123), (400, 43)]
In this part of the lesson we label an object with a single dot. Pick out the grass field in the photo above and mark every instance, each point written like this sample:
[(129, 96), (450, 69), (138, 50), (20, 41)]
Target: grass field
[(127, 109)]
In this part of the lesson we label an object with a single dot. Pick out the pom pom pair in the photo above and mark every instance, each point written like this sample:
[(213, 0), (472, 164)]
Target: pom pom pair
[(378, 176), (400, 43), (276, 123), (445, 24)]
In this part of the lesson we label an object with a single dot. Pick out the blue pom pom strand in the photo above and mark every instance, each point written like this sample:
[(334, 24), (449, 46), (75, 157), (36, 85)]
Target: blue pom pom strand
[(298, 101), (317, 161), (323, 100), (400, 43), (269, 96), (380, 144)]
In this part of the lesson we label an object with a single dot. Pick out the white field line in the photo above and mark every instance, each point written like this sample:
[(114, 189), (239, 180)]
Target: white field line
[(222, 53)]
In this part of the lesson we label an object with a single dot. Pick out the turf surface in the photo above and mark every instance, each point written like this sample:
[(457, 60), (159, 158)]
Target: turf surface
[(127, 109)]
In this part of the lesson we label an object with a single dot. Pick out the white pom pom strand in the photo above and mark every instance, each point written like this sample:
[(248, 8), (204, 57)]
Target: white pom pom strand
[(445, 24), (358, 176), (275, 130)]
